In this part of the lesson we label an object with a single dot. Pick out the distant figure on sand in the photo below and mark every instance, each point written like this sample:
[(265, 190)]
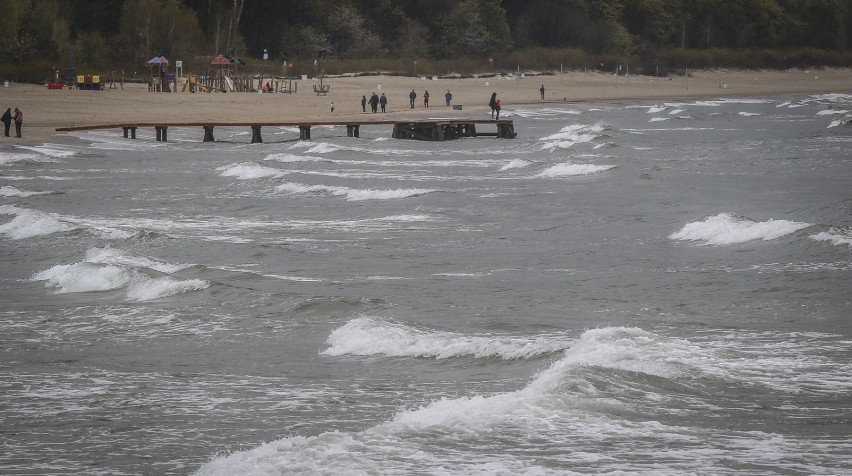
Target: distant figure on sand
[(426, 99), (19, 120), (364, 103), (332, 106), (541, 90), (7, 120), (497, 108), (493, 104), (374, 102), (413, 97), (448, 97), (383, 101)]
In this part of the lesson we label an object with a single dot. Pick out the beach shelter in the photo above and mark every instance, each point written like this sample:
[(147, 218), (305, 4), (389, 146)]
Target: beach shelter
[(158, 71)]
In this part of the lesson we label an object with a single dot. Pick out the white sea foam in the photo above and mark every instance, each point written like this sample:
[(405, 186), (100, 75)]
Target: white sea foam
[(726, 229), (250, 171), (840, 122), (837, 236), (373, 336), (10, 158), (10, 191), (659, 119), (656, 109), (31, 223), (515, 164), (573, 134), (106, 269), (352, 194), (285, 157), (55, 152), (568, 170), (748, 114), (831, 112)]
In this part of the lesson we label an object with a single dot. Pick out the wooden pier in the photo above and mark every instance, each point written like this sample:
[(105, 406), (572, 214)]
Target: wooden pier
[(429, 129)]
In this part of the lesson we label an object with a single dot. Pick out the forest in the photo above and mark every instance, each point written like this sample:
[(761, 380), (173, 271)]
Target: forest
[(422, 36)]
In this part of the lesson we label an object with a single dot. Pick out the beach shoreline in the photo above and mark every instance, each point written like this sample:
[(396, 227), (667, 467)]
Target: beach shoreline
[(45, 110)]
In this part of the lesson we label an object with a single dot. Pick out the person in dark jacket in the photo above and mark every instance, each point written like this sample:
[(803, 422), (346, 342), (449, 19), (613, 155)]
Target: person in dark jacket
[(374, 102), (383, 101), (19, 120), (493, 104), (412, 96), (426, 99), (364, 103), (7, 120), (448, 97)]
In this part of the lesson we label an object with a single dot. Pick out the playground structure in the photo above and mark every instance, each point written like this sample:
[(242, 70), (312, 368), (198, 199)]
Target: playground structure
[(223, 76), (159, 79), (88, 82)]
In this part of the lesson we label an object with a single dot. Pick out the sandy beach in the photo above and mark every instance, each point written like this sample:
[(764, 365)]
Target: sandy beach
[(45, 110)]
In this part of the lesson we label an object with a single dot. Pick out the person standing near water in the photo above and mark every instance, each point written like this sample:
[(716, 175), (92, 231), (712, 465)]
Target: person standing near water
[(19, 120), (374, 102), (383, 101), (364, 103), (412, 96), (541, 90), (493, 104), (426, 99), (497, 108), (7, 120), (448, 97)]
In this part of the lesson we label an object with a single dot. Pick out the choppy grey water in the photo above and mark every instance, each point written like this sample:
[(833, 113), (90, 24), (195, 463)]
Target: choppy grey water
[(648, 288)]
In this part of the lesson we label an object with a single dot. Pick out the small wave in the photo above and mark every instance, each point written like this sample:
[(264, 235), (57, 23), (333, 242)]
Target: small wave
[(515, 164), (830, 112), (143, 288), (353, 194), (659, 119), (840, 122), (568, 170), (727, 229), (31, 223), (836, 236), (50, 151), (748, 114), (10, 191), (287, 158), (250, 171), (573, 134), (373, 336), (106, 269), (10, 158)]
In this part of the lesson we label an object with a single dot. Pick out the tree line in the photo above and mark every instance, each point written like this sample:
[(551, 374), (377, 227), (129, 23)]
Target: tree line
[(125, 33)]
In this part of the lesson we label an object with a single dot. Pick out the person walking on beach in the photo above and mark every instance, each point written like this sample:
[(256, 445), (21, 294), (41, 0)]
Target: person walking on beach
[(541, 90), (383, 101), (426, 99), (497, 108), (364, 103), (332, 106), (448, 97), (7, 120), (493, 104), (374, 102), (19, 120), (412, 96)]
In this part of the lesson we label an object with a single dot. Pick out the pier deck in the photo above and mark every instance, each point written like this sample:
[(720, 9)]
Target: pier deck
[(427, 129)]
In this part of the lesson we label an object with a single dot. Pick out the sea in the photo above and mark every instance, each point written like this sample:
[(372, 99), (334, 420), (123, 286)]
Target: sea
[(643, 287)]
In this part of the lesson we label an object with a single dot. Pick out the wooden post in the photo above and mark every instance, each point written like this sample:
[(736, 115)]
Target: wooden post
[(162, 133), (353, 130), (304, 132), (255, 135), (208, 134)]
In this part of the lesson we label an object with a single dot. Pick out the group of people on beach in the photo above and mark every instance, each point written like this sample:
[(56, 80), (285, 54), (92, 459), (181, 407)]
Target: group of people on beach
[(8, 118), (375, 101)]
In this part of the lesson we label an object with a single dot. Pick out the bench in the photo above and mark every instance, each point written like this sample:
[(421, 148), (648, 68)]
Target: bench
[(322, 89)]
